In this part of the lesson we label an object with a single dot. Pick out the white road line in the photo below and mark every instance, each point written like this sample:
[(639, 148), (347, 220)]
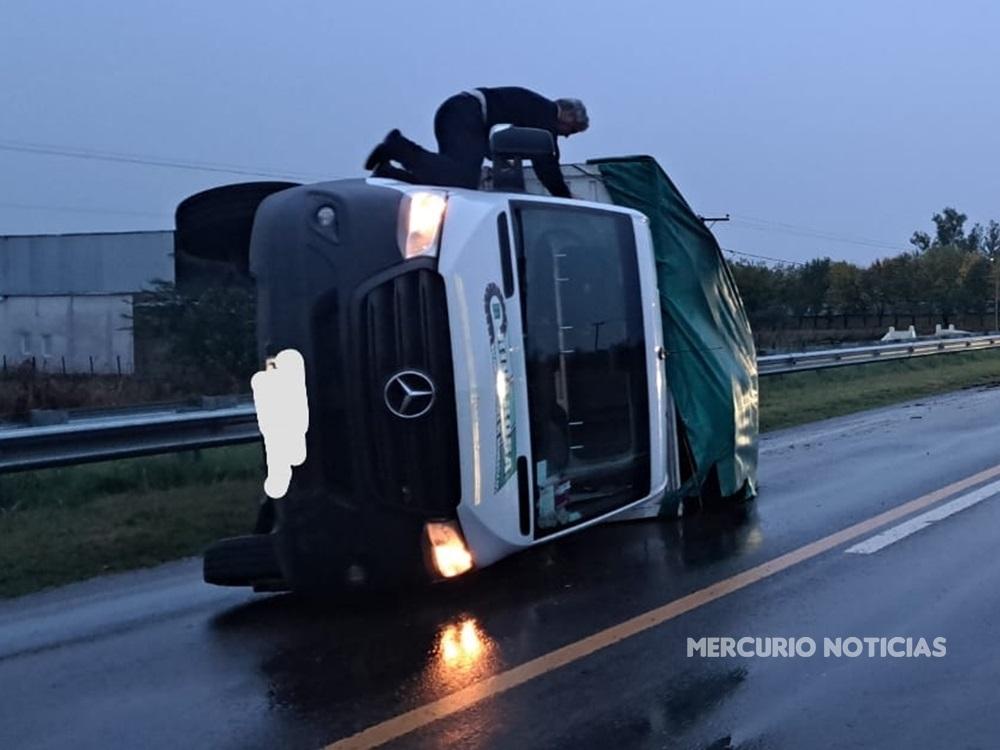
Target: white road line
[(915, 524)]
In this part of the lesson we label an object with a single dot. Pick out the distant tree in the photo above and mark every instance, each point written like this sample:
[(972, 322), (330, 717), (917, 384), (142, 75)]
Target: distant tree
[(809, 284), (761, 287), (990, 244), (949, 272), (876, 286), (205, 340), (949, 230), (974, 239), (950, 227), (845, 292), (952, 271), (755, 284), (976, 281), (920, 240), (901, 283), (941, 274)]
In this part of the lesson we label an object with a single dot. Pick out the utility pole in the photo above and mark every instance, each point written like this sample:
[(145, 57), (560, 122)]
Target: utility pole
[(996, 293), (995, 265), (710, 220)]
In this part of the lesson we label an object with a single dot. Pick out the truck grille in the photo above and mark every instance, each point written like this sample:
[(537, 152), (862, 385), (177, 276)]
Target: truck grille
[(403, 326)]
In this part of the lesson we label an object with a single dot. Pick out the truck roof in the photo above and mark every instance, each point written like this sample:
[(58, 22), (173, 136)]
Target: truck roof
[(584, 181)]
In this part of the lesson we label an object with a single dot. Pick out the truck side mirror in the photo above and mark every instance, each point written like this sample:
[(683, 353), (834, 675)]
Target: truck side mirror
[(509, 147)]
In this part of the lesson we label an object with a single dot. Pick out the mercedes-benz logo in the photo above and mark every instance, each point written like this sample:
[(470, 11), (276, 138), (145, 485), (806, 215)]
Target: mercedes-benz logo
[(409, 394)]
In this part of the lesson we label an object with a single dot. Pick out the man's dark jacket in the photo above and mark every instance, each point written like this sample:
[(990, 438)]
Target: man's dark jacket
[(512, 105)]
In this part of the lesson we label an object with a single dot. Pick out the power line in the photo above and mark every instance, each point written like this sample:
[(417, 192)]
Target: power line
[(750, 222), (764, 225), (817, 235), (813, 230), (151, 160), (764, 257)]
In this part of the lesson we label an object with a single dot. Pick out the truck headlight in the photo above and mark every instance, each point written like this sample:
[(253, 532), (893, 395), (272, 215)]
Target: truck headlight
[(448, 552), (420, 217)]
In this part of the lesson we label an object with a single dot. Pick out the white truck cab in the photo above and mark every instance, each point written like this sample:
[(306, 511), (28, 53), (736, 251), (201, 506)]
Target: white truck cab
[(563, 413), (484, 371)]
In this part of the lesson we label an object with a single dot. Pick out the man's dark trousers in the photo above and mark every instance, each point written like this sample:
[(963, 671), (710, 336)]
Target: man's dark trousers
[(463, 143)]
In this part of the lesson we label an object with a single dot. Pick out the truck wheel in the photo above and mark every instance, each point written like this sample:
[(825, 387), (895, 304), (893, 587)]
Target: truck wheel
[(241, 561), (212, 238), (265, 517)]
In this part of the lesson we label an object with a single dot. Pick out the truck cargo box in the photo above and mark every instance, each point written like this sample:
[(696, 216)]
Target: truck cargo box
[(711, 360)]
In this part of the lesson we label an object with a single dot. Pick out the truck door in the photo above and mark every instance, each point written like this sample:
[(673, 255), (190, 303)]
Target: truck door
[(590, 378)]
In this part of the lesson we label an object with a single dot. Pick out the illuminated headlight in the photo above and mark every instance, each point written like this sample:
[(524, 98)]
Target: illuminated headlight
[(448, 552), (420, 218)]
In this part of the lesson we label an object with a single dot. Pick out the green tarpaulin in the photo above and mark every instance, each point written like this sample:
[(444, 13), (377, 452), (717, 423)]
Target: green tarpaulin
[(711, 362)]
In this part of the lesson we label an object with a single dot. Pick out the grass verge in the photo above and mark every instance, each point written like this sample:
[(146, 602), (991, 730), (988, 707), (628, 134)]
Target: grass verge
[(67, 524), (788, 400), (62, 525)]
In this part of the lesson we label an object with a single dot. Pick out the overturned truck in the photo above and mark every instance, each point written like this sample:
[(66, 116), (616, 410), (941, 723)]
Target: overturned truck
[(480, 371)]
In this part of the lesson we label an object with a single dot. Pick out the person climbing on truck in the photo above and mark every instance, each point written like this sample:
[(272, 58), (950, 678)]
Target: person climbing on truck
[(462, 126)]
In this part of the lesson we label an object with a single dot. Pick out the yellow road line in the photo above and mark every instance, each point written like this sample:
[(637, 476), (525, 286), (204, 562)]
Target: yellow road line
[(410, 721)]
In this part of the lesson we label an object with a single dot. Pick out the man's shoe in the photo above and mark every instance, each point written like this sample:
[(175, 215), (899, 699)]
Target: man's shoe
[(393, 173), (382, 152), (376, 157)]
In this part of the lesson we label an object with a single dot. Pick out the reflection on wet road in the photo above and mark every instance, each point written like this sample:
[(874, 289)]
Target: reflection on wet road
[(156, 659)]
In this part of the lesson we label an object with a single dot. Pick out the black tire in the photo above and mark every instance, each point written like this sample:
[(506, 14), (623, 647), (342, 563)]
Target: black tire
[(265, 517), (241, 561), (212, 238), (215, 224)]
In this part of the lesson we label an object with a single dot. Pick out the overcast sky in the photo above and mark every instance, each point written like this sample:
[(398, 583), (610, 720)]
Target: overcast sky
[(811, 123)]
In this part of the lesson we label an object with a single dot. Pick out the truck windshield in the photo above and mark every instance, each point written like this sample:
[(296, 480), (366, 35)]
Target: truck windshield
[(585, 362)]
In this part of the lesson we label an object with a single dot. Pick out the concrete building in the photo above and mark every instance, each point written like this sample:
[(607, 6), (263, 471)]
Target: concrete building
[(66, 300)]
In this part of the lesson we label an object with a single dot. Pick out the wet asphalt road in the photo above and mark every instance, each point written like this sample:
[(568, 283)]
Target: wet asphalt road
[(157, 659)]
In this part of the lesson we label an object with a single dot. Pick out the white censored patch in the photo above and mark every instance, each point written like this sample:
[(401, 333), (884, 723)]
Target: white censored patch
[(279, 395)]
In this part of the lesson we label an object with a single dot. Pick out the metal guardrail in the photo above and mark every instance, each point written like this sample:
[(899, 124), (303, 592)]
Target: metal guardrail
[(124, 433), (780, 364)]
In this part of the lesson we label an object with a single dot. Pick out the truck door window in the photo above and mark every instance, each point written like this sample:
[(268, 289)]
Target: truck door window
[(585, 362)]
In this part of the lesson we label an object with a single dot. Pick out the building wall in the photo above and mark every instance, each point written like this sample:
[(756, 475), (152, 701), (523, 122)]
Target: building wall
[(116, 263), (75, 333), (66, 299)]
